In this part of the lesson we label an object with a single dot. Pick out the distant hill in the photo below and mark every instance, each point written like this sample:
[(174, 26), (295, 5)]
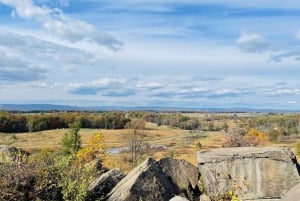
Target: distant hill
[(36, 107), (52, 107)]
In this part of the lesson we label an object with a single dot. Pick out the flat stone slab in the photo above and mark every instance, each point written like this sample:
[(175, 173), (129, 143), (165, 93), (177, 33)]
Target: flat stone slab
[(224, 154)]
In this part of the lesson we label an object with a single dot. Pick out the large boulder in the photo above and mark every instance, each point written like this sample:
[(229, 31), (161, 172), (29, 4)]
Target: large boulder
[(183, 174), (293, 194), (252, 173), (145, 182), (156, 180), (104, 184)]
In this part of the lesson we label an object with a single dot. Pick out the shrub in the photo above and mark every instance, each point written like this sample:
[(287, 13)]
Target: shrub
[(48, 175), (33, 177), (234, 138)]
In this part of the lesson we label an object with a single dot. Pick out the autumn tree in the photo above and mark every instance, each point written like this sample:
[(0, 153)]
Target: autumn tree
[(254, 137), (96, 149), (136, 129)]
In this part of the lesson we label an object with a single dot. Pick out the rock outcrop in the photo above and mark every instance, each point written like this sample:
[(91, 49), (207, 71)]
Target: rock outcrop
[(252, 173), (157, 180), (293, 194), (104, 184), (183, 174)]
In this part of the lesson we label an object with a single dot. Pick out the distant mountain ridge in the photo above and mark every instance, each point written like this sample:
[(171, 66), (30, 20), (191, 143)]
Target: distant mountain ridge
[(32, 107), (52, 107)]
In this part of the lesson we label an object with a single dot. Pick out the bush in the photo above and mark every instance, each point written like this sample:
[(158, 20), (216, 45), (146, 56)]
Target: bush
[(49, 175), (234, 138), (33, 177), (75, 179)]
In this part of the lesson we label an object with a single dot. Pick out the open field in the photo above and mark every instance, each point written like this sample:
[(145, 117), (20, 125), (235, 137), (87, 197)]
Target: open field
[(176, 142), (172, 142), (113, 138)]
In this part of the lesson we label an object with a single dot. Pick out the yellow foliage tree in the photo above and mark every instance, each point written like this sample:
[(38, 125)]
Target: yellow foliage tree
[(95, 149), (254, 137), (257, 133)]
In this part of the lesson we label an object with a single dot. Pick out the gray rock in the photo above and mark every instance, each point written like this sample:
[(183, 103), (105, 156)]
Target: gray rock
[(104, 184), (293, 194), (145, 182), (180, 171), (178, 198), (254, 173), (183, 174), (159, 181)]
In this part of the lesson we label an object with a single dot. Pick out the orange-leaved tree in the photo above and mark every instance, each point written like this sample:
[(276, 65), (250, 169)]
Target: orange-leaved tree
[(254, 137)]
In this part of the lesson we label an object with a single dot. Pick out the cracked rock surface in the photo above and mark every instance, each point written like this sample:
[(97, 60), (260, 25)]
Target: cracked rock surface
[(257, 172)]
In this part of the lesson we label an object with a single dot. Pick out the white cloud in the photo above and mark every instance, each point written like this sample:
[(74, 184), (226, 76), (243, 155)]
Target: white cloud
[(279, 89), (34, 53), (148, 85), (252, 43), (26, 9), (226, 91), (255, 43), (65, 27), (14, 68), (105, 86)]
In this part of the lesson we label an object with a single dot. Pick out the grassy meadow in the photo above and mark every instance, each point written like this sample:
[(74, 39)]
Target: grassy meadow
[(177, 142), (174, 142)]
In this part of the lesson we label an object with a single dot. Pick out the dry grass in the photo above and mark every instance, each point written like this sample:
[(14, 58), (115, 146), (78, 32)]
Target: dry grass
[(113, 138), (179, 143)]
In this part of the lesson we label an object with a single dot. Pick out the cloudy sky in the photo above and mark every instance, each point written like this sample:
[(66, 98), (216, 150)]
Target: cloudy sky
[(177, 53)]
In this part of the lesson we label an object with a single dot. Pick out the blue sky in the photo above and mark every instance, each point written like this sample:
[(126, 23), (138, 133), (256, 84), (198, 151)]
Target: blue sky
[(176, 53)]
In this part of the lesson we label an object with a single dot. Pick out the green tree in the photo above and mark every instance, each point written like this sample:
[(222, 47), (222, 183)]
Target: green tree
[(71, 142)]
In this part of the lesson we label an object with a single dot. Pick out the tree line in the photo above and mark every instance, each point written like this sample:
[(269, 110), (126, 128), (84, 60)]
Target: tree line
[(178, 120), (17, 122), (276, 126)]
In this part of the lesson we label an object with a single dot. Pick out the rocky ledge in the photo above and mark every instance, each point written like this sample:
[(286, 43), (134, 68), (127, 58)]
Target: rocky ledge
[(253, 173)]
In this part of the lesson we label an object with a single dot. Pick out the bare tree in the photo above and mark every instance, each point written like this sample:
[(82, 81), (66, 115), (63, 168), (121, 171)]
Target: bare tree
[(136, 129)]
